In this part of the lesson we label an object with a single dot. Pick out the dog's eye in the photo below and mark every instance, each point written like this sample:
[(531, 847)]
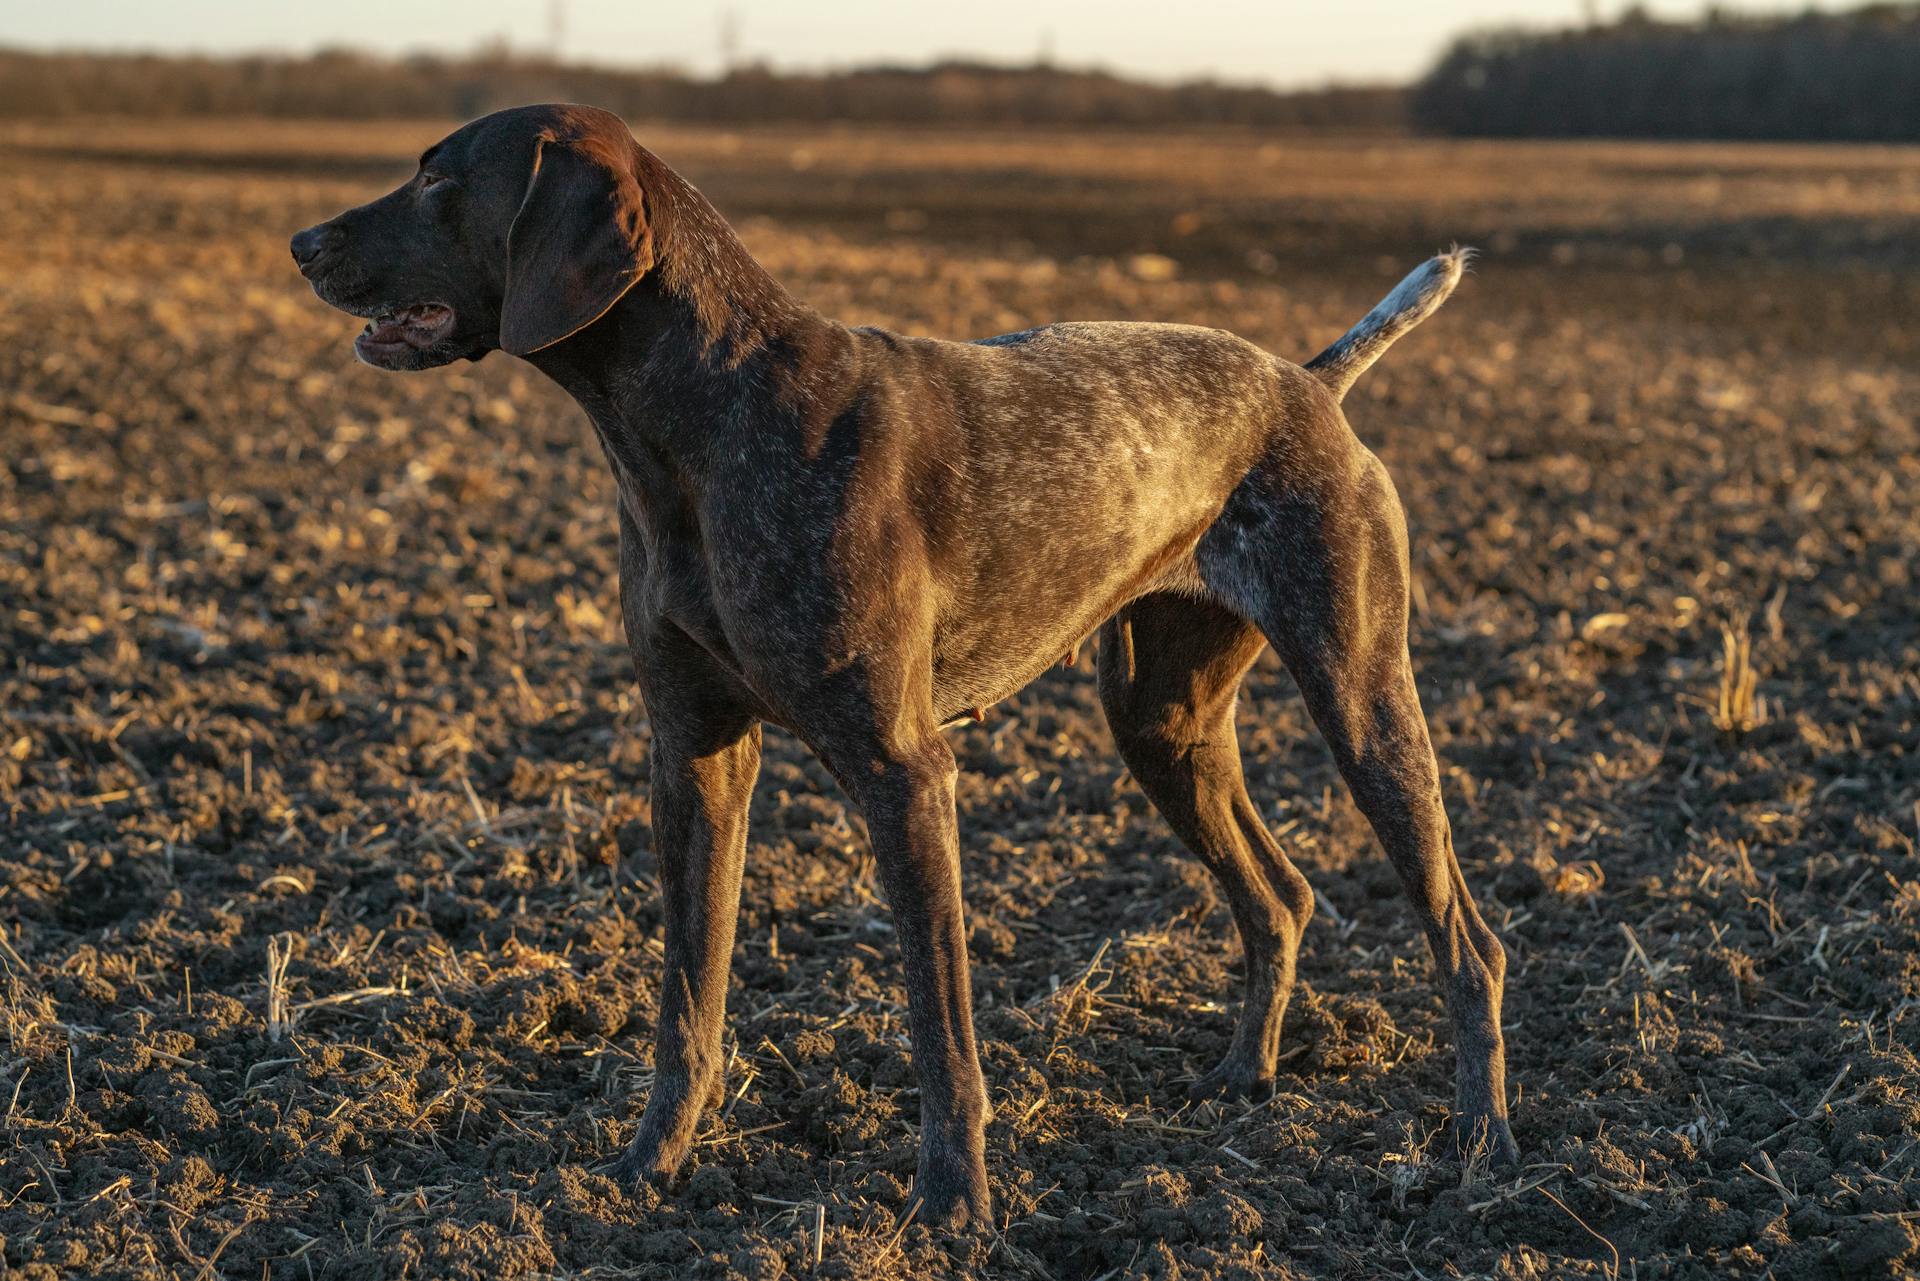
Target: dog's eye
[(431, 180)]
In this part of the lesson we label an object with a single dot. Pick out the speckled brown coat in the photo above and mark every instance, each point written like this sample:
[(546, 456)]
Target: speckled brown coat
[(861, 536)]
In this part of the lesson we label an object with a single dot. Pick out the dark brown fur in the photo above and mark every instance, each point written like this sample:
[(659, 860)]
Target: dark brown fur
[(861, 537)]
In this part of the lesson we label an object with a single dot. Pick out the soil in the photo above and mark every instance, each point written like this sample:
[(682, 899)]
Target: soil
[(331, 933)]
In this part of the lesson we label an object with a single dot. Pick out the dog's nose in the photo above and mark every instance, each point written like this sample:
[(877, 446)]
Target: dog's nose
[(308, 245)]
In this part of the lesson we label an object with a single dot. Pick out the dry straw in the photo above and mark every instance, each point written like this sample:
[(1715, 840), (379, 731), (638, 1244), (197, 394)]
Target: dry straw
[(279, 1013), (1738, 709)]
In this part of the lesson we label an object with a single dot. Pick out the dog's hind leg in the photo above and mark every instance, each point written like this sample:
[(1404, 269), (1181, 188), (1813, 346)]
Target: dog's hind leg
[(1170, 668), (1321, 565)]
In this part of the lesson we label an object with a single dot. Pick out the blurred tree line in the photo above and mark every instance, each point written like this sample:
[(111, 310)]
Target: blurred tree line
[(344, 84), (1831, 76)]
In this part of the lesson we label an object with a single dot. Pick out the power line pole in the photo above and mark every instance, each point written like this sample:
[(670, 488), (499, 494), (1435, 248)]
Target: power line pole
[(729, 40)]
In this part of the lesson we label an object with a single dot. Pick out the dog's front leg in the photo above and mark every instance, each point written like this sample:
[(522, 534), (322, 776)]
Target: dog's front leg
[(907, 797), (703, 777)]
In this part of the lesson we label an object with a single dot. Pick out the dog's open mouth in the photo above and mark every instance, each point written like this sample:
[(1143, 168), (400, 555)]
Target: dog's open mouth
[(414, 328)]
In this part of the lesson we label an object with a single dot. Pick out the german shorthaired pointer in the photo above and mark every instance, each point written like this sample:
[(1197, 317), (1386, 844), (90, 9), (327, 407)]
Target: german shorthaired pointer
[(863, 537)]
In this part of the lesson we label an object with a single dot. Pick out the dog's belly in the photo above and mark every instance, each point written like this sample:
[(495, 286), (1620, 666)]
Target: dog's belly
[(977, 667), (1020, 619)]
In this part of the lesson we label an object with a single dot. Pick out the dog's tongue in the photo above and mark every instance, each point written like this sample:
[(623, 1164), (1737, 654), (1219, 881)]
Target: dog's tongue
[(415, 326)]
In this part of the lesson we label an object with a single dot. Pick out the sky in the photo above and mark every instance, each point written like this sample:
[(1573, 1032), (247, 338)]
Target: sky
[(1285, 43)]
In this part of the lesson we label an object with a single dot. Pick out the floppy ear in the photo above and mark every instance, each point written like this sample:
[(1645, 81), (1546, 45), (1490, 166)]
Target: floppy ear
[(579, 242)]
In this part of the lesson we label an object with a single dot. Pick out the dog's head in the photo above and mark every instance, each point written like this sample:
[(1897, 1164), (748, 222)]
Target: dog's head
[(519, 230)]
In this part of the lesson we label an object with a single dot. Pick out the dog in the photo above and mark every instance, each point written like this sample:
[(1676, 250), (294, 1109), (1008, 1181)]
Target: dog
[(864, 537)]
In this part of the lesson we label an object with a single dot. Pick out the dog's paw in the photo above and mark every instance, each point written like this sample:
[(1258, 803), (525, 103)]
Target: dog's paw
[(951, 1188), (1487, 1138), (632, 1169), (646, 1162), (1233, 1081), (955, 1209)]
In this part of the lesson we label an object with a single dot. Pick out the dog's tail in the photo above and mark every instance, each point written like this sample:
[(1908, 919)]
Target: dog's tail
[(1412, 301)]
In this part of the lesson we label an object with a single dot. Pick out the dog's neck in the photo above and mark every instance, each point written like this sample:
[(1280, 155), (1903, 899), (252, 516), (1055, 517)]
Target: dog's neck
[(705, 310), (735, 304), (665, 370)]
